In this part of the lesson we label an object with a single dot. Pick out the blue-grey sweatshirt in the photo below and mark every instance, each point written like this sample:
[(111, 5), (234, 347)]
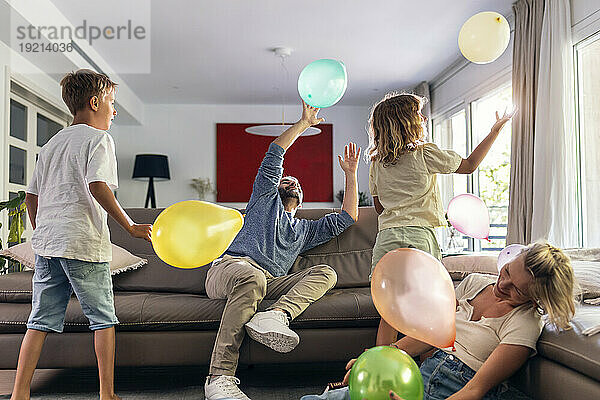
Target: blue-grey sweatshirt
[(270, 235)]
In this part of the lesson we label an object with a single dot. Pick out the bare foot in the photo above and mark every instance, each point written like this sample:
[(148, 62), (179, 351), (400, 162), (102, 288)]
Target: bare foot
[(112, 397)]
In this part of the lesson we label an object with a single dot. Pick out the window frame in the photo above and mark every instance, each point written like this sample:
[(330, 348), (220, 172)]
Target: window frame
[(30, 146), (580, 160), (500, 82)]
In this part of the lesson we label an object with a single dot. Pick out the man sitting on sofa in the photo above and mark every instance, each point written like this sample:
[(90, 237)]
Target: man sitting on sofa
[(259, 259)]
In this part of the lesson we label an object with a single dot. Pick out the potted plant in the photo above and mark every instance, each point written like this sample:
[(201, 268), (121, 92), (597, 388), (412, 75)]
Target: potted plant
[(203, 186), (16, 213), (363, 198)]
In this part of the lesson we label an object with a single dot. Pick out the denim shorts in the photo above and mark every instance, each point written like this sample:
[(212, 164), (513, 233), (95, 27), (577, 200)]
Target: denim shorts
[(55, 279), (443, 375)]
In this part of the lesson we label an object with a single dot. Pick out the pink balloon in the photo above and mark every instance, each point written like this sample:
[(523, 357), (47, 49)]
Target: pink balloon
[(509, 253), (469, 215), (413, 292)]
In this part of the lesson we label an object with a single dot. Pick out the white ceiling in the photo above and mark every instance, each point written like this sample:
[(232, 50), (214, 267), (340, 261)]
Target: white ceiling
[(217, 51)]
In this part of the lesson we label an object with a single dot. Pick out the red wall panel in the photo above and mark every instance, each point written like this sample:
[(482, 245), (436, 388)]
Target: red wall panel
[(239, 155)]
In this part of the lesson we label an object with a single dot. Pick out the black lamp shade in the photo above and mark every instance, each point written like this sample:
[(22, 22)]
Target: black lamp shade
[(151, 166)]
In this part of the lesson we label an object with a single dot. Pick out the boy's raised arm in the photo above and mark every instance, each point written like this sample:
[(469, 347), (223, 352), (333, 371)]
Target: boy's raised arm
[(105, 197)]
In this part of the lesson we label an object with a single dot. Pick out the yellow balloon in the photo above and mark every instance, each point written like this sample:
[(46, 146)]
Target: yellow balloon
[(484, 37), (192, 233)]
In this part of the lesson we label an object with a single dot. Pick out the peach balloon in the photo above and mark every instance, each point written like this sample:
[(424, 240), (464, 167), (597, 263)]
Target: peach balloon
[(413, 292)]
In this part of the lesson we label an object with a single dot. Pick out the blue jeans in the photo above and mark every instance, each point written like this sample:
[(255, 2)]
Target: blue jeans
[(443, 375), (56, 278)]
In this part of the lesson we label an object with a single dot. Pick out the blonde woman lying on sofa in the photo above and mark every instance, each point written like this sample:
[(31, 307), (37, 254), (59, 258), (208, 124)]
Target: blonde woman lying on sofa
[(498, 322)]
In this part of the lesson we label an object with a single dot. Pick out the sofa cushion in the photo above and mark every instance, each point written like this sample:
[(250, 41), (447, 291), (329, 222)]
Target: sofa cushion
[(151, 311), (157, 276), (16, 287), (461, 265), (141, 311), (352, 267), (349, 254), (572, 349)]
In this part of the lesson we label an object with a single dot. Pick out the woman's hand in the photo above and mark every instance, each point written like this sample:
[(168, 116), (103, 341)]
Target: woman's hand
[(309, 115), (501, 121), (348, 368)]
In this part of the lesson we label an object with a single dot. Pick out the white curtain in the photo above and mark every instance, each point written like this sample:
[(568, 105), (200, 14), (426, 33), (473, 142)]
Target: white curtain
[(555, 169), (422, 89)]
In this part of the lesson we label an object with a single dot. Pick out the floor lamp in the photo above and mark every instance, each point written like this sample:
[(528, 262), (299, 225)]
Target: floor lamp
[(151, 167)]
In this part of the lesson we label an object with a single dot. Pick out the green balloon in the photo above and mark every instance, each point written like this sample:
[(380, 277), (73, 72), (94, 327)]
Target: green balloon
[(322, 83), (384, 368)]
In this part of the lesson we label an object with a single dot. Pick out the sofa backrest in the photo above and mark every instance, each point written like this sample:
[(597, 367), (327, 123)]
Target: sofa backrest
[(349, 254), (156, 276)]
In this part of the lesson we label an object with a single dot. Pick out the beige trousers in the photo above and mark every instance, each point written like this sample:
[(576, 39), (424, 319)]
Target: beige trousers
[(245, 284)]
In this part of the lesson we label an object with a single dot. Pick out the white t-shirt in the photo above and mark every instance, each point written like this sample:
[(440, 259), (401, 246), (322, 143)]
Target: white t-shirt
[(70, 223), (476, 340)]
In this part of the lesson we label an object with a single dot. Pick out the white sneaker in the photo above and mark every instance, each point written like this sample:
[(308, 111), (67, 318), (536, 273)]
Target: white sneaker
[(223, 387), (271, 329)]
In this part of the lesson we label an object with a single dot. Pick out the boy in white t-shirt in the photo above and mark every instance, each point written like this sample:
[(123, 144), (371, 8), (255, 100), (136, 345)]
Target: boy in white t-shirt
[(68, 199)]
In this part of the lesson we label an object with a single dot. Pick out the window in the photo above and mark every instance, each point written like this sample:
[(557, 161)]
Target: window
[(46, 128), (31, 126), (492, 178), (17, 165), (450, 132), (18, 120), (588, 102), (461, 130)]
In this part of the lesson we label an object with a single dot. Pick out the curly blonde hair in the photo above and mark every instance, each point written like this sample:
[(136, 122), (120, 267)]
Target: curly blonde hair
[(554, 284), (395, 127)]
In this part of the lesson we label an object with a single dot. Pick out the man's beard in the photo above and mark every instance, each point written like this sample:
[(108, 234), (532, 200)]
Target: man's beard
[(289, 195)]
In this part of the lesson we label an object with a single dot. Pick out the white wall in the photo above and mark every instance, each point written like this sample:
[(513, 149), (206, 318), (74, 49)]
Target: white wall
[(584, 10), (187, 134), (468, 81)]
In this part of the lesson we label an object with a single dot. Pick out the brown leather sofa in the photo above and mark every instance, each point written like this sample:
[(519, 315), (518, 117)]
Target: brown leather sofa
[(166, 318)]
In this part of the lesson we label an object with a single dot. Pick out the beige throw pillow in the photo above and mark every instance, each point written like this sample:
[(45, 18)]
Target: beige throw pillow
[(122, 260), (459, 266), (587, 274)]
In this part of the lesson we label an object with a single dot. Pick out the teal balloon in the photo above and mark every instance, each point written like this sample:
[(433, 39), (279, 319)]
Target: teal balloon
[(322, 83), (384, 368)]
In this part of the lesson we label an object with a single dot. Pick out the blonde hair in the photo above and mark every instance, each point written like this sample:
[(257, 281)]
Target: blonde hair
[(554, 282), (395, 127), (80, 86)]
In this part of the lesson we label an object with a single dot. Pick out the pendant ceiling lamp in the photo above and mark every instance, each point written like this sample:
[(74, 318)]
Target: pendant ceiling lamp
[(278, 129)]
